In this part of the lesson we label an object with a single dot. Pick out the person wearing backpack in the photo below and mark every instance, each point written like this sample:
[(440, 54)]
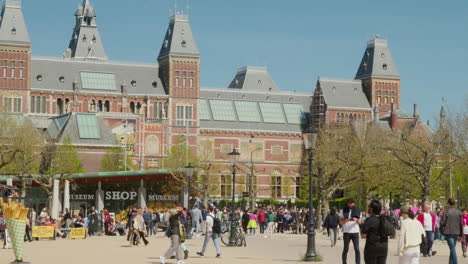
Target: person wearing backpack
[(331, 224), (213, 230), (376, 230)]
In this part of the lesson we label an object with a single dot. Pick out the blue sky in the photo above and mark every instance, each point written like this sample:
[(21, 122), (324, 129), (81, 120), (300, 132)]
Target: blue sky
[(297, 40)]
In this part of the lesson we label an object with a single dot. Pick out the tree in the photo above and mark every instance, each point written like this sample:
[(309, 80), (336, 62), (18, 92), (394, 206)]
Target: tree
[(114, 160), (20, 142), (58, 162)]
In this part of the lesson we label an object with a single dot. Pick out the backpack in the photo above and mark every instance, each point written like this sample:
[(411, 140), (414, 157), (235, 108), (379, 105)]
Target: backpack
[(182, 233), (386, 227), (216, 225)]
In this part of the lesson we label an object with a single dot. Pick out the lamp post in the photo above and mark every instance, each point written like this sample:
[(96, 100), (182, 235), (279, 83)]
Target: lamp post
[(234, 157), (189, 170), (310, 140), (29, 181)]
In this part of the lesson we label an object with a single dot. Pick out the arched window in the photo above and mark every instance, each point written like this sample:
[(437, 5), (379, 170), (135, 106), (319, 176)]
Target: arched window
[(138, 108), (100, 106), (33, 104), (59, 106), (44, 105), (67, 105), (107, 106), (346, 119), (38, 104), (386, 100), (92, 106), (132, 107)]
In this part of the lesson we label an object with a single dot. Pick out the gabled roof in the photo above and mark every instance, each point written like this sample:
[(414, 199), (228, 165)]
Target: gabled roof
[(85, 42), (82, 129), (343, 93), (179, 39), (253, 79), (13, 29), (377, 62)]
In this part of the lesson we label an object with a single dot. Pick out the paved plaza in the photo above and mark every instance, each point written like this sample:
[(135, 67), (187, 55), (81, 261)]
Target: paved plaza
[(280, 249)]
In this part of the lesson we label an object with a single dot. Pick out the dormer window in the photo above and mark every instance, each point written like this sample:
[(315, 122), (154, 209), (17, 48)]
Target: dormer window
[(259, 82), (355, 89), (334, 89), (133, 83), (384, 66), (184, 43), (94, 39), (13, 31), (85, 38), (166, 43)]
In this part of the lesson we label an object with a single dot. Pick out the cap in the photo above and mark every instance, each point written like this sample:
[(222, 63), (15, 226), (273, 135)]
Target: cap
[(404, 210)]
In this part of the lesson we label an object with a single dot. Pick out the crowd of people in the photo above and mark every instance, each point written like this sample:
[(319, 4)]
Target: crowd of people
[(415, 229)]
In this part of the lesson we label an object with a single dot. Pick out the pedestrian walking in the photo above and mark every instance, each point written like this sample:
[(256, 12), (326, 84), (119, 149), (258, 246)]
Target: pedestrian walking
[(451, 227), (428, 221), (262, 220), (464, 239), (271, 224), (213, 229), (140, 228), (411, 237), (331, 223), (350, 219), (376, 230), (245, 221), (196, 220), (252, 226), (148, 219), (174, 233)]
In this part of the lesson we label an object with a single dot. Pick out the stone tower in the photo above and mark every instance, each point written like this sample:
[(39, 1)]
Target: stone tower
[(15, 58), (380, 76)]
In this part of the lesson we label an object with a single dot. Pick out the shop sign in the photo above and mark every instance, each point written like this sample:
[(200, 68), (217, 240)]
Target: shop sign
[(121, 195), (43, 231), (155, 197), (78, 233), (82, 197)]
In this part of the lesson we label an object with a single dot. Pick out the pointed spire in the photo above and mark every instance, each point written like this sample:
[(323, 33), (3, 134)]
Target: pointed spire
[(85, 42), (13, 29), (377, 61), (443, 114), (179, 39)]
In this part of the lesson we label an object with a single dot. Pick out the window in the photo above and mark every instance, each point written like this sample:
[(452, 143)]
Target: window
[(184, 79), (384, 66), (98, 81), (100, 106), (276, 186), (61, 79), (378, 99), (226, 186), (203, 110), (38, 104), (155, 84), (226, 148), (392, 99), (272, 112), (247, 111), (133, 83), (44, 105), (60, 106), (276, 150), (184, 115), (222, 110), (298, 186), (184, 43), (386, 100), (132, 107), (107, 106), (177, 78), (13, 31), (39, 77), (159, 111), (191, 79), (138, 108), (12, 104), (33, 104), (21, 73), (92, 106), (13, 69)]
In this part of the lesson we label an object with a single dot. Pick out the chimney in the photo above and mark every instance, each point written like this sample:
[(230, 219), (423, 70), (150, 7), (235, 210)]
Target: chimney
[(393, 117), (428, 123), (416, 112)]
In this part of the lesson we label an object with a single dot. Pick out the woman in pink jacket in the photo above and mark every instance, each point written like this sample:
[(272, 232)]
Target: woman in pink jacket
[(253, 220)]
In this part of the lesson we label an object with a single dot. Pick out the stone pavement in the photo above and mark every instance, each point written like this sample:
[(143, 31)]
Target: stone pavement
[(286, 249)]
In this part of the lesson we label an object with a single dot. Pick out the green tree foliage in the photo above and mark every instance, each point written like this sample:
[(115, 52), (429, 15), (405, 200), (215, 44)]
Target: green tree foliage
[(113, 160)]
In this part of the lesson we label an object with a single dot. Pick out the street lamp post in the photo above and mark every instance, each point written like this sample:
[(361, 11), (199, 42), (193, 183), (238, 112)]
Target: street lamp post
[(310, 140), (189, 170), (234, 157), (29, 181)]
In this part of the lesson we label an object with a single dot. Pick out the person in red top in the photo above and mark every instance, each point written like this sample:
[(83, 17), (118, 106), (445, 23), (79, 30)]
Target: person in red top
[(428, 221), (262, 220), (107, 221)]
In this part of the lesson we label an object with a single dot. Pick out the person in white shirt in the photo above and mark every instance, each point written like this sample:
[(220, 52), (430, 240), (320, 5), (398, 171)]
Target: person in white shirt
[(411, 234), (210, 234), (350, 219)]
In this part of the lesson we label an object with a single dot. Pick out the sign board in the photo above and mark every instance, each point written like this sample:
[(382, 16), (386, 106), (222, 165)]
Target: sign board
[(293, 199), (236, 197), (43, 231), (245, 194), (78, 233)]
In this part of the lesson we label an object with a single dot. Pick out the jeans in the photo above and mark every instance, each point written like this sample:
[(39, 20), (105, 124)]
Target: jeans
[(333, 234), (215, 242), (410, 256), (369, 258), (196, 226), (452, 243), (263, 226), (347, 237), (430, 241), (149, 228)]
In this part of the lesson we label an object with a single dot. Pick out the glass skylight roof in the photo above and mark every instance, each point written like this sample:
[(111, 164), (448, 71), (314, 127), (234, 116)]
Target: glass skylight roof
[(247, 111), (272, 112), (88, 126), (98, 81), (203, 110), (294, 113), (222, 110)]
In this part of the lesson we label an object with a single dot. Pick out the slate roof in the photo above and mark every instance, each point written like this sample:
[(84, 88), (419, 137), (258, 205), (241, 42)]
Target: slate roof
[(377, 62), (13, 29), (343, 93), (85, 42), (179, 39), (67, 125), (46, 73), (253, 79), (280, 97)]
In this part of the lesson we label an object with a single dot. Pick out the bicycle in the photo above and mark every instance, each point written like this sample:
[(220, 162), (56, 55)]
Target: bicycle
[(240, 237)]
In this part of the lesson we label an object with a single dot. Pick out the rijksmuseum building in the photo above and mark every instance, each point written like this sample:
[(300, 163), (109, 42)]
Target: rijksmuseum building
[(147, 107)]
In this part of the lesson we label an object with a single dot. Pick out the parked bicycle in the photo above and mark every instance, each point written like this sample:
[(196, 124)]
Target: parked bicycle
[(239, 236)]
